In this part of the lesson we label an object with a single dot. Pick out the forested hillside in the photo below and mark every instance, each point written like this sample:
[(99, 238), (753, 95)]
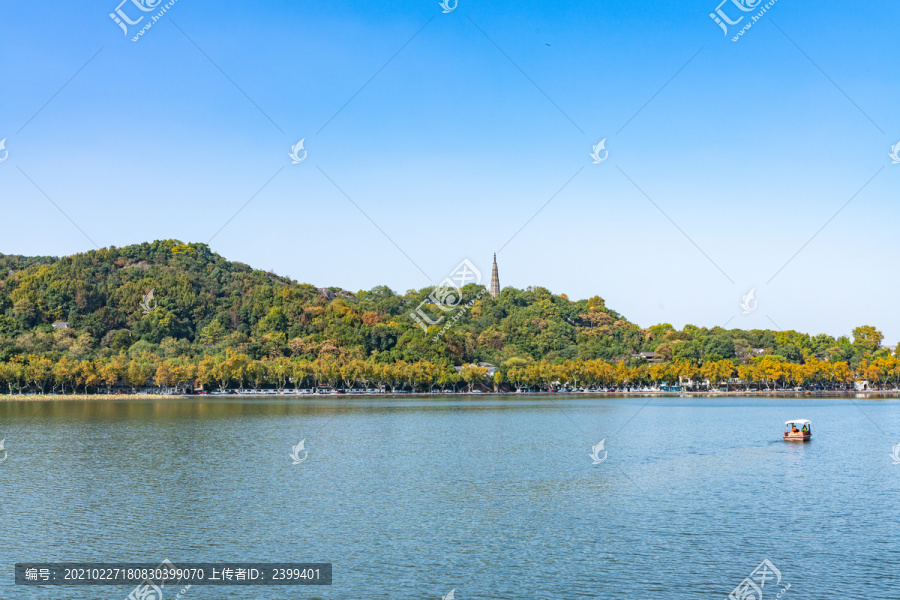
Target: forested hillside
[(94, 308), (204, 303)]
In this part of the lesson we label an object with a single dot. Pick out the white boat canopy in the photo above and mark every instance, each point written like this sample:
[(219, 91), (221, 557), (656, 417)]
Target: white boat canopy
[(797, 422)]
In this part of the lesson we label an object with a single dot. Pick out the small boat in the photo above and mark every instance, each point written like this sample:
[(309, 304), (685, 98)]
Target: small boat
[(798, 430)]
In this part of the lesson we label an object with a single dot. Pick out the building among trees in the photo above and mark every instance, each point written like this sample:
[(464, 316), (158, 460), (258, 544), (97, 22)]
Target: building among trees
[(495, 279)]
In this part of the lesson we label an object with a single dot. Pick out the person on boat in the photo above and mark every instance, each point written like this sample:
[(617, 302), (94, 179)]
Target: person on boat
[(795, 429), (806, 429)]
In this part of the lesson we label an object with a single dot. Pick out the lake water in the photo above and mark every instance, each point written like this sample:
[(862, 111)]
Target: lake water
[(496, 498)]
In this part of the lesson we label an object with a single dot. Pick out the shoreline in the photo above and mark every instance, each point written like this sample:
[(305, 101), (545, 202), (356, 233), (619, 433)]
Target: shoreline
[(466, 395)]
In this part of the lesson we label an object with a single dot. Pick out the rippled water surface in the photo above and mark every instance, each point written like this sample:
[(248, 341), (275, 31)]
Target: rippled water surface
[(495, 498)]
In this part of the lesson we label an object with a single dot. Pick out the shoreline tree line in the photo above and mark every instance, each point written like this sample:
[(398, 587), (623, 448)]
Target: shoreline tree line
[(234, 370), (79, 322)]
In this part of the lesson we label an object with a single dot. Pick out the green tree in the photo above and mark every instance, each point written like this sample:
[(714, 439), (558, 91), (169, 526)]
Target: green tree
[(866, 339), (213, 334)]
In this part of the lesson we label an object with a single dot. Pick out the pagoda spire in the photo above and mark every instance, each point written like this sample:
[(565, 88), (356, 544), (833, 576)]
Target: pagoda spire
[(495, 279)]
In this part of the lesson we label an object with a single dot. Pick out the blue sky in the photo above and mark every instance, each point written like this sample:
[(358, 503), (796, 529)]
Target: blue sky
[(452, 131)]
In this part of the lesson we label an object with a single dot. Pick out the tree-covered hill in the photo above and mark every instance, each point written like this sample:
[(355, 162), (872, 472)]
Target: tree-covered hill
[(204, 303), (96, 305)]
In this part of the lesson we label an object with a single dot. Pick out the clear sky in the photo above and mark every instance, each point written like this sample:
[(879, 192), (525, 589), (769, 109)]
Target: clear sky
[(433, 137)]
